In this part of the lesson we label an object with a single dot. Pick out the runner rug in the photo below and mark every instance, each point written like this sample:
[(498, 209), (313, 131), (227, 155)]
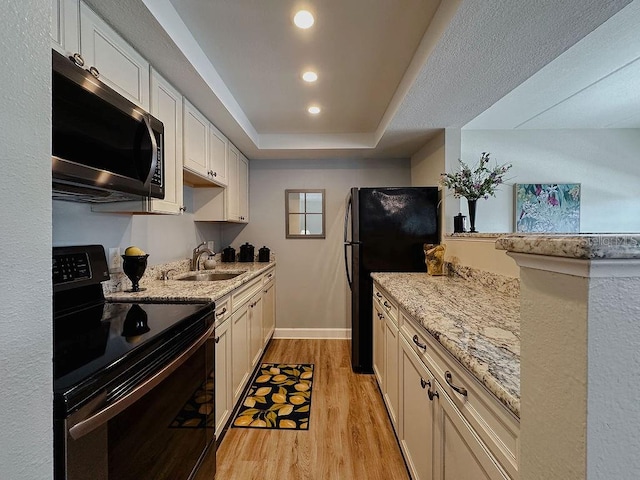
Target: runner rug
[(279, 397)]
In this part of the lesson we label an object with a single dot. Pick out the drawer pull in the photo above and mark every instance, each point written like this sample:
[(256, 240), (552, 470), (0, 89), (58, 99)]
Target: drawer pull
[(424, 383), (217, 340), (448, 377), (380, 316), (432, 394), (386, 304), (222, 312), (420, 345), (378, 295)]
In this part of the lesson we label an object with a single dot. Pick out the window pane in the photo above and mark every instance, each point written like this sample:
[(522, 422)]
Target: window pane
[(314, 202), (314, 224), (296, 202), (296, 224)]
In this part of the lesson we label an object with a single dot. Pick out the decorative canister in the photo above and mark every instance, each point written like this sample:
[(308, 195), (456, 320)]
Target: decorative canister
[(229, 254), (264, 254), (246, 253)]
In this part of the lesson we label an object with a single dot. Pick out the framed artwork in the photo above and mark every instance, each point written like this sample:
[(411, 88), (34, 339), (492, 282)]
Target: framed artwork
[(547, 207)]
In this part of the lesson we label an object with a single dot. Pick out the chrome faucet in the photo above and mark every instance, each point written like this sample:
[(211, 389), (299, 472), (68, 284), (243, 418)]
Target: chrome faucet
[(197, 253)]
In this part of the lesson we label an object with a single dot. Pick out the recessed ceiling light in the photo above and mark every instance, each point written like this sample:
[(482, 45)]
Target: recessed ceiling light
[(313, 110), (310, 76), (303, 19)]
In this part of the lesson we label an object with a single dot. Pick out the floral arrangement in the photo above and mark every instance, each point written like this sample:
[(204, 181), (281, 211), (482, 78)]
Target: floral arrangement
[(477, 183)]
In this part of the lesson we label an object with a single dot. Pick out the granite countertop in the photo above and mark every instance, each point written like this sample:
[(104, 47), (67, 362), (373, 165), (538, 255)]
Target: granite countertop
[(477, 324), (587, 246), (175, 290)]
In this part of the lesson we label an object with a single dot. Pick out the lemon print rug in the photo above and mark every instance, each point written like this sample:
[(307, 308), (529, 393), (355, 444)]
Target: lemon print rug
[(279, 397)]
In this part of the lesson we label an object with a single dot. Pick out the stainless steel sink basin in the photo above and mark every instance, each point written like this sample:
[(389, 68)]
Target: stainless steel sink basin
[(210, 276)]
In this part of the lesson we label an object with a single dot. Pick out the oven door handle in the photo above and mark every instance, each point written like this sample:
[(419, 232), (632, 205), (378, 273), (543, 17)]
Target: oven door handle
[(101, 417)]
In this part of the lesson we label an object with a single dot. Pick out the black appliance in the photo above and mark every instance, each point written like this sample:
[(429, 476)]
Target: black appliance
[(133, 382), (264, 254), (229, 254), (247, 253), (385, 228), (104, 148)]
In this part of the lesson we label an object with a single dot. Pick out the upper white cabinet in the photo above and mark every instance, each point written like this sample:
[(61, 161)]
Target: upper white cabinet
[(118, 64), (218, 159), (243, 189), (65, 34), (205, 150)]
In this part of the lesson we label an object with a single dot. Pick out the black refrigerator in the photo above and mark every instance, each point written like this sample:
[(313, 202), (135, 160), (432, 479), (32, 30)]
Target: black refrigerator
[(384, 231)]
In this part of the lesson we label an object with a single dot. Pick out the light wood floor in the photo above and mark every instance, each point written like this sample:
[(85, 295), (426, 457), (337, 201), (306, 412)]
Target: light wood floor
[(350, 435)]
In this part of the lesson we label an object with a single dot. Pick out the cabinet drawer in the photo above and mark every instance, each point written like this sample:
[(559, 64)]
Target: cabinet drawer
[(243, 294), (387, 305), (497, 427), (223, 309), (269, 277)]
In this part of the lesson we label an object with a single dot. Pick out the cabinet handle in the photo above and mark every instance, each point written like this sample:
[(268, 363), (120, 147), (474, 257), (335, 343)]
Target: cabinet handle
[(449, 378), (94, 71), (380, 316), (386, 304), (271, 274), (217, 339), (215, 174), (432, 394), (378, 295), (183, 209), (77, 59), (420, 345), (222, 312), (424, 383)]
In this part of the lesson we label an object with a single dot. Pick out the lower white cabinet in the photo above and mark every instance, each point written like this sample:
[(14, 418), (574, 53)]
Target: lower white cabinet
[(223, 380), (255, 327), (240, 349), (459, 432), (269, 305)]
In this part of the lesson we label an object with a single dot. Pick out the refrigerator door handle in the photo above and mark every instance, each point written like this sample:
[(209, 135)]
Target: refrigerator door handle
[(347, 243)]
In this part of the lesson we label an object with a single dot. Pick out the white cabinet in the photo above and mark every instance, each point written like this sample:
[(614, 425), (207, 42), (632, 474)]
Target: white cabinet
[(166, 105), (240, 349), (416, 427), (449, 426), (223, 376), (256, 333), (65, 22), (205, 150), (119, 65), (269, 305), (230, 204), (218, 155), (385, 351)]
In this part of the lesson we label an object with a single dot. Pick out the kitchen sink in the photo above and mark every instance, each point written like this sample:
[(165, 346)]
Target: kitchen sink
[(210, 276)]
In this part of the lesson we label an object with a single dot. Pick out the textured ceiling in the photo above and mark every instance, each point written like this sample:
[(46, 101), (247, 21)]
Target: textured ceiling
[(472, 54)]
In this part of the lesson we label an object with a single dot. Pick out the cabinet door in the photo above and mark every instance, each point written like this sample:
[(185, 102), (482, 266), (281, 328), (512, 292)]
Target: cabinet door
[(243, 189), (268, 311), (218, 154), (460, 454), (120, 66), (231, 193), (391, 392), (417, 415), (240, 349), (257, 338), (224, 401), (378, 345), (196, 140), (65, 22), (166, 105)]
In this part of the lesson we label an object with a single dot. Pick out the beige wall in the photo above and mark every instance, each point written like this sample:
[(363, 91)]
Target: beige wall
[(482, 254), (428, 163), (312, 290)]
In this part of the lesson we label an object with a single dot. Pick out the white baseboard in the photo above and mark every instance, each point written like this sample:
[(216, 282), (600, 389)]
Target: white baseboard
[(336, 333)]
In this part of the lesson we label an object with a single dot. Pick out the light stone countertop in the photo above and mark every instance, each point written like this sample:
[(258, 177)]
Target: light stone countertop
[(587, 246), (174, 290), (478, 325)]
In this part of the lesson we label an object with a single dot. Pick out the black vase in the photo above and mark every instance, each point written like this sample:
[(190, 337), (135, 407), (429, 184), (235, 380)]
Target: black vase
[(134, 267), (472, 215)]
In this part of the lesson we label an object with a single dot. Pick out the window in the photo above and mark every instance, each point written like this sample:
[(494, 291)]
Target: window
[(305, 213)]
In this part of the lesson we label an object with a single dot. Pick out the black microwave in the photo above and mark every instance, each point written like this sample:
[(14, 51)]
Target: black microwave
[(104, 147)]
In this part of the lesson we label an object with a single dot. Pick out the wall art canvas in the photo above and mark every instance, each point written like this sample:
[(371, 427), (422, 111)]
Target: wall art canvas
[(547, 207)]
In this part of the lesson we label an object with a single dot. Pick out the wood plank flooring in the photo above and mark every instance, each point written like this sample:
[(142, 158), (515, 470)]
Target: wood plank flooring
[(350, 435)]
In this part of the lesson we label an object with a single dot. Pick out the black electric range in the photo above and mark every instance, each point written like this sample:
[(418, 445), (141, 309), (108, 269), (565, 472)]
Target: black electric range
[(104, 351)]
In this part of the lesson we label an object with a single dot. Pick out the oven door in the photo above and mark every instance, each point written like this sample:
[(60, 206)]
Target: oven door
[(160, 428)]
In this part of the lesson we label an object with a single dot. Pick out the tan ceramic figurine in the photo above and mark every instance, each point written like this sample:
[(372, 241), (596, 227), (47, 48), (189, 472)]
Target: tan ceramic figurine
[(434, 258)]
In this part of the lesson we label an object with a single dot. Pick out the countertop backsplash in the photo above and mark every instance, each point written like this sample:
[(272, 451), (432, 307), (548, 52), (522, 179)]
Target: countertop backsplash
[(501, 283)]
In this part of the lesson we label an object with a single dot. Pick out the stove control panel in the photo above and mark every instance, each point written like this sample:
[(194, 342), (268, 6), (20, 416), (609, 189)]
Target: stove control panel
[(70, 267), (78, 266)]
